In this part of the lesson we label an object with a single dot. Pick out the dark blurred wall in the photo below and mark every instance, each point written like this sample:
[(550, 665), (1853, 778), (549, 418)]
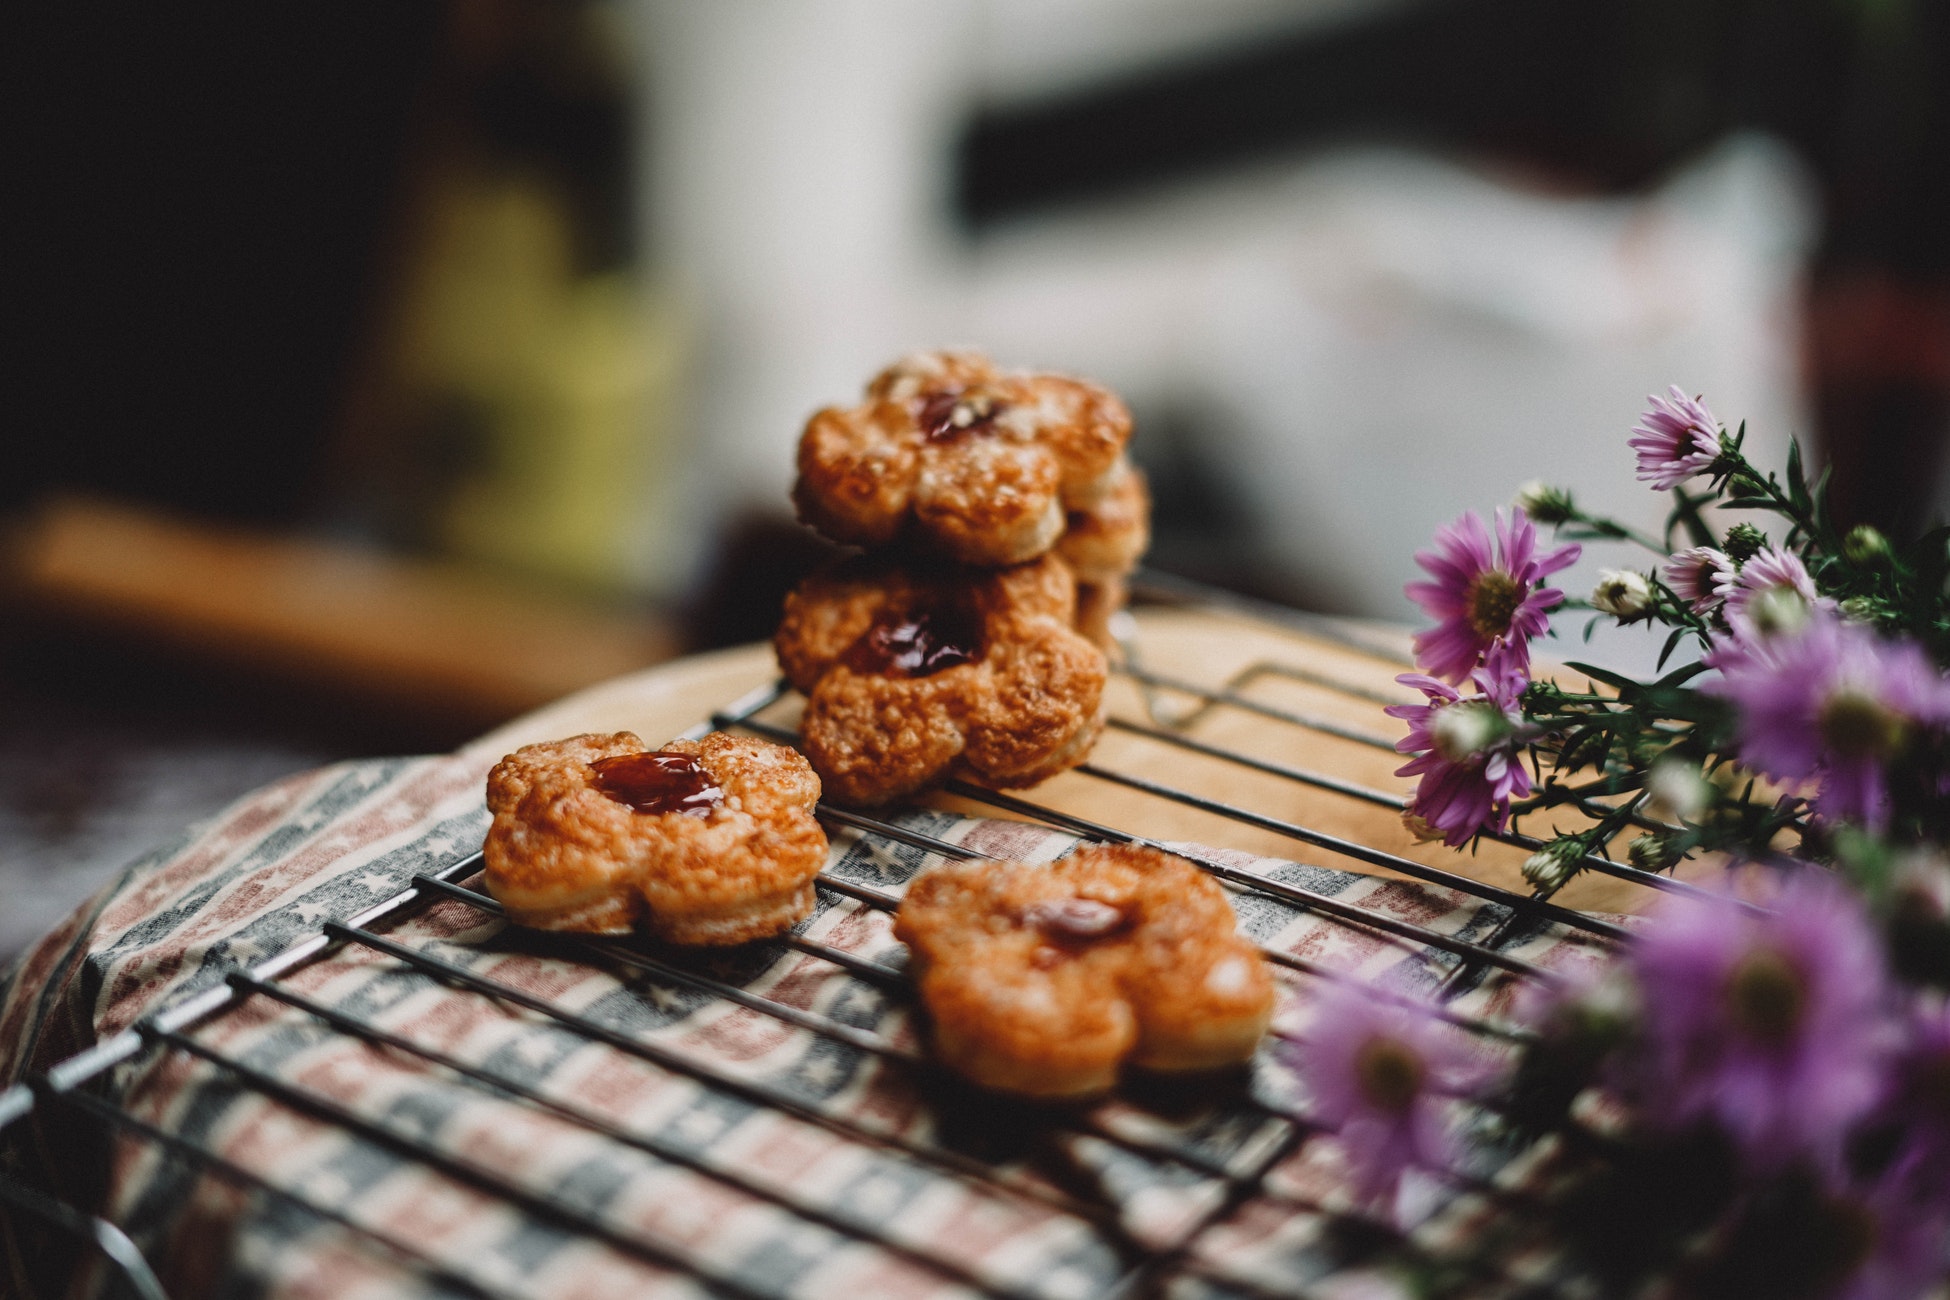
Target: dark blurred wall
[(196, 200), (1602, 95)]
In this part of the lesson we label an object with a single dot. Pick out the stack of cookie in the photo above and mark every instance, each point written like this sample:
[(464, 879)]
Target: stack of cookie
[(1001, 520), (953, 644)]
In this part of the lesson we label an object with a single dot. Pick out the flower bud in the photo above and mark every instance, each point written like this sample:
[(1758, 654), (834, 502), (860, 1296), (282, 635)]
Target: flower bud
[(1419, 826), (1858, 609), (1551, 867), (1544, 503), (1865, 545), (1678, 790), (1743, 543), (1918, 919), (1920, 886), (1623, 594), (1778, 611), (1651, 853), (1462, 731)]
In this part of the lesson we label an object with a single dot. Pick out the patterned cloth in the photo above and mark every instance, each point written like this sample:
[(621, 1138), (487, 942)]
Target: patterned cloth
[(328, 844)]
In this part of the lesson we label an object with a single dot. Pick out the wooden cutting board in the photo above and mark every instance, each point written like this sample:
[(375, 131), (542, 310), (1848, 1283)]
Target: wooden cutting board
[(1210, 649)]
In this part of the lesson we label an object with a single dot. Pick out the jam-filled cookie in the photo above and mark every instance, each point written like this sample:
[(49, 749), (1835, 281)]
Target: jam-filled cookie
[(707, 841), (1102, 543), (1042, 980), (977, 464), (913, 674)]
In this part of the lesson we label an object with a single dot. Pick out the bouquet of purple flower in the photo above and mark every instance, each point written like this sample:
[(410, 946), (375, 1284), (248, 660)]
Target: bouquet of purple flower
[(1830, 709), (1752, 1098)]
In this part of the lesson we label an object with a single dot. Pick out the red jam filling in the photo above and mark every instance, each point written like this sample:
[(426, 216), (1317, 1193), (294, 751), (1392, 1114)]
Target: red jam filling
[(947, 415), (658, 782), (918, 643), (1077, 921)]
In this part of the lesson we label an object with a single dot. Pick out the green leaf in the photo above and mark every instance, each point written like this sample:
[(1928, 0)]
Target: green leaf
[(1604, 675), (1672, 643), (1797, 484), (1681, 674)]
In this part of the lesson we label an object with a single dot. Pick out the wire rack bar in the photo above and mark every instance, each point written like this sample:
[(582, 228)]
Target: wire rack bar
[(942, 1161), (1362, 853), (1154, 585), (1260, 884), (1210, 698), (402, 1251), (649, 1144), (888, 902), (1393, 802), (860, 1040), (1231, 698), (111, 1241), (1281, 890), (549, 1208), (18, 1101)]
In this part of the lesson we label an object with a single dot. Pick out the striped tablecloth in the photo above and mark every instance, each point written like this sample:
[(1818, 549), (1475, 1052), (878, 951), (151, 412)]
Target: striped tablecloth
[(276, 865)]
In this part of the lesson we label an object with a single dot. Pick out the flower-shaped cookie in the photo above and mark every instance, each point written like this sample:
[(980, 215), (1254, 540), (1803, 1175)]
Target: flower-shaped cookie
[(1102, 544), (975, 463), (1104, 541), (707, 841), (912, 674), (1043, 980)]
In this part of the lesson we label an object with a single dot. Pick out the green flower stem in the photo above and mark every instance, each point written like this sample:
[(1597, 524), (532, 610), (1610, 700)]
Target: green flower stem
[(1686, 512), (1578, 796), (1603, 527), (1747, 479)]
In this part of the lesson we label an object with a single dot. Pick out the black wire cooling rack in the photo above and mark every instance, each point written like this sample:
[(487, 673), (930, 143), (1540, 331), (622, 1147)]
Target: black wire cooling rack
[(1259, 1131)]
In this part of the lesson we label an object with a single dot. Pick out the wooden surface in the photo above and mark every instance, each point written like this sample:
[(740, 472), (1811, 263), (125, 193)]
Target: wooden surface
[(432, 636), (1207, 648)]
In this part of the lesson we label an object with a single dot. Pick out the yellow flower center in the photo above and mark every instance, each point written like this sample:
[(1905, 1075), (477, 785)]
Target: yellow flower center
[(1390, 1073), (1467, 728), (1767, 997), (1492, 601), (1857, 725), (1420, 827)]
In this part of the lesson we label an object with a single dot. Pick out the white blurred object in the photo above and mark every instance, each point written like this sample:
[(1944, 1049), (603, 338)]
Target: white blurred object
[(1371, 340)]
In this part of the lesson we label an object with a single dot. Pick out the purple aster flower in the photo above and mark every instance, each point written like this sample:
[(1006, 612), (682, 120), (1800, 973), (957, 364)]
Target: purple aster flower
[(1919, 1094), (1383, 1077), (1833, 700), (1485, 594), (1770, 593), (1466, 752), (1696, 576), (1839, 1238), (1677, 439), (1770, 1026), (1900, 1236)]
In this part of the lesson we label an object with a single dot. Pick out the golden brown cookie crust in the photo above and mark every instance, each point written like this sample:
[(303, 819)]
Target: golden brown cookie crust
[(1104, 541), (1035, 993), (1098, 605), (563, 855), (1029, 706), (976, 463)]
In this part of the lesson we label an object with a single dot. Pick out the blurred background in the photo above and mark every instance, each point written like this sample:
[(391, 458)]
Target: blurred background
[(382, 370)]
